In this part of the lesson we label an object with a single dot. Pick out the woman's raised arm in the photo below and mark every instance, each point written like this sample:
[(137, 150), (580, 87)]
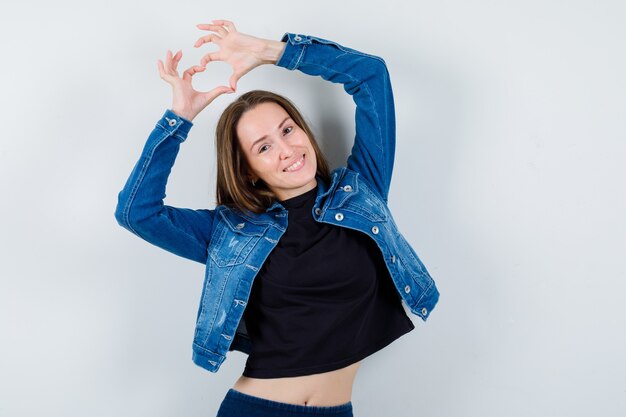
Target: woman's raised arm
[(366, 79), (140, 207)]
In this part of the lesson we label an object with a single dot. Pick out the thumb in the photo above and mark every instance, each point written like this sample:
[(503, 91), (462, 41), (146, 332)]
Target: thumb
[(233, 81), (218, 91)]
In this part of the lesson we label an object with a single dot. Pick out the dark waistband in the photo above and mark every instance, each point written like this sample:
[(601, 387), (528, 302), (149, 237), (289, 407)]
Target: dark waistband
[(340, 410)]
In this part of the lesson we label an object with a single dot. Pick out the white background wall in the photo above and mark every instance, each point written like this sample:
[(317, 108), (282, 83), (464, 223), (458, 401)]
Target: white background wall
[(509, 183)]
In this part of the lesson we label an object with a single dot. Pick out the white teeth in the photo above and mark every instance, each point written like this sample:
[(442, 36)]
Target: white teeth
[(295, 165)]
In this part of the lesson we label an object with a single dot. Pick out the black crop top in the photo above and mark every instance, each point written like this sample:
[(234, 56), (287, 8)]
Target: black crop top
[(322, 300)]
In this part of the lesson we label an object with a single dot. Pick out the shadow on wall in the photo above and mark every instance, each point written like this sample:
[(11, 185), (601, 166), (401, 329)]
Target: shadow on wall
[(334, 123)]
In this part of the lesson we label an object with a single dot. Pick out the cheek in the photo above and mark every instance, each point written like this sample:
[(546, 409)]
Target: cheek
[(264, 164), (304, 141)]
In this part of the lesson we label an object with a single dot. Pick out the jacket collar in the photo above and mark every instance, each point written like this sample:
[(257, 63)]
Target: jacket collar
[(323, 189)]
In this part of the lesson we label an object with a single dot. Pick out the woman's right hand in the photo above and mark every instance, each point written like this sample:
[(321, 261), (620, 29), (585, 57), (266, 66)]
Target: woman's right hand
[(187, 102)]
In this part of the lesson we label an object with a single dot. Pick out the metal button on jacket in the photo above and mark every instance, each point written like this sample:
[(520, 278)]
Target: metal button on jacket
[(318, 211), (347, 188), (171, 122), (424, 311), (407, 289), (393, 259), (375, 230), (339, 217)]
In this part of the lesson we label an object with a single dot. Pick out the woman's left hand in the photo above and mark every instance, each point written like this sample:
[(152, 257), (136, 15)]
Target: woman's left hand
[(242, 52)]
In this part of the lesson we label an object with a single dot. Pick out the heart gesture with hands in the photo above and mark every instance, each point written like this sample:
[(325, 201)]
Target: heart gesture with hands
[(242, 52)]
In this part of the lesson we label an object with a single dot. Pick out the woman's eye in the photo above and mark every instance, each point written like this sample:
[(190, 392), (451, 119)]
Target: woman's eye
[(263, 148), (287, 129)]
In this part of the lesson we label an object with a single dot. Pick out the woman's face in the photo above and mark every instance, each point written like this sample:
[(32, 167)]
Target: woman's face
[(277, 150)]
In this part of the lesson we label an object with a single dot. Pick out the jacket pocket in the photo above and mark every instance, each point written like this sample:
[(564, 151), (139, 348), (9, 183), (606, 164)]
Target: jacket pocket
[(364, 202), (232, 242)]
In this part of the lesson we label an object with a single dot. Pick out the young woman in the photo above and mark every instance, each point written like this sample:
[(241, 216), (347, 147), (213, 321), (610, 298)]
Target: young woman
[(306, 270)]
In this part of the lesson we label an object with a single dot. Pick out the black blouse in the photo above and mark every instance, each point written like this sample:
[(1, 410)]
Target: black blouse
[(322, 300)]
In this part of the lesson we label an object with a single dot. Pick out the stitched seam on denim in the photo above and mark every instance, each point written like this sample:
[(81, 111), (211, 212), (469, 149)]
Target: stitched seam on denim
[(216, 241), (372, 189), (205, 285), (299, 57), (345, 48), (204, 350), (371, 98), (425, 292), (362, 213), (232, 260), (142, 173), (380, 135), (277, 226), (205, 290), (219, 302), (248, 218), (239, 284)]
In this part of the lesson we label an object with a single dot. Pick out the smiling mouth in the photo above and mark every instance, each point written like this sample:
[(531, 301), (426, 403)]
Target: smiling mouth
[(295, 166)]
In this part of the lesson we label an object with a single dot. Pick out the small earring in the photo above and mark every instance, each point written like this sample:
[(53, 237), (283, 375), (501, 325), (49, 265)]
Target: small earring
[(253, 182)]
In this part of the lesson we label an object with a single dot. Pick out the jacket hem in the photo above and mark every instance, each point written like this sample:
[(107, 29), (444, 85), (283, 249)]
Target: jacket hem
[(206, 359)]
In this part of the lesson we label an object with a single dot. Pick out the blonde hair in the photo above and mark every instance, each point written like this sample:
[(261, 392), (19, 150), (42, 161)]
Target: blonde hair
[(233, 186)]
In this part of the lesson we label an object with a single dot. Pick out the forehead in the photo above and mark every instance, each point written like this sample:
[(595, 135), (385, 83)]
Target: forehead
[(259, 121)]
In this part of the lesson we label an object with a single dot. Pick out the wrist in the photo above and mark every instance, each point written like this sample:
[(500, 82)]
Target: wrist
[(187, 115), (272, 51)]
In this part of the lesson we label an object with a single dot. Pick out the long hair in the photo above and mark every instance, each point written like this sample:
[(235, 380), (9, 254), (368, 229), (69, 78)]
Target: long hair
[(233, 186)]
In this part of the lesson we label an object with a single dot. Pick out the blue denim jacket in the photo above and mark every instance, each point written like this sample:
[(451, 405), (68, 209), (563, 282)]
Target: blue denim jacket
[(234, 245)]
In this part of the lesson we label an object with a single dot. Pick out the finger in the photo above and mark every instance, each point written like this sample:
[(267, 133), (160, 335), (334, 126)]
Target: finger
[(168, 64), (162, 73), (206, 39), (227, 23), (217, 91), (161, 69), (233, 81), (191, 71), (215, 28), (213, 56), (176, 60), (222, 89)]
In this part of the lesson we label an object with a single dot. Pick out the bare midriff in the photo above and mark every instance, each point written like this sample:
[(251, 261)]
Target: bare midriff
[(323, 389)]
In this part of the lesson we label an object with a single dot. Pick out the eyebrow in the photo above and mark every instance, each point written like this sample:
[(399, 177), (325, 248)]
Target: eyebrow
[(264, 137)]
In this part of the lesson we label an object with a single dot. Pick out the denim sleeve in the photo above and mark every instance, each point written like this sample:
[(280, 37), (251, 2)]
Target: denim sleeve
[(140, 209), (366, 79)]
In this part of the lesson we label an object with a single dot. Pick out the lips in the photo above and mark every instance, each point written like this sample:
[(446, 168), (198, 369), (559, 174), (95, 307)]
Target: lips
[(295, 166)]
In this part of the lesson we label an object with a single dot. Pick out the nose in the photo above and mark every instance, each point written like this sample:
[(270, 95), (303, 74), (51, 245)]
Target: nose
[(286, 151)]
